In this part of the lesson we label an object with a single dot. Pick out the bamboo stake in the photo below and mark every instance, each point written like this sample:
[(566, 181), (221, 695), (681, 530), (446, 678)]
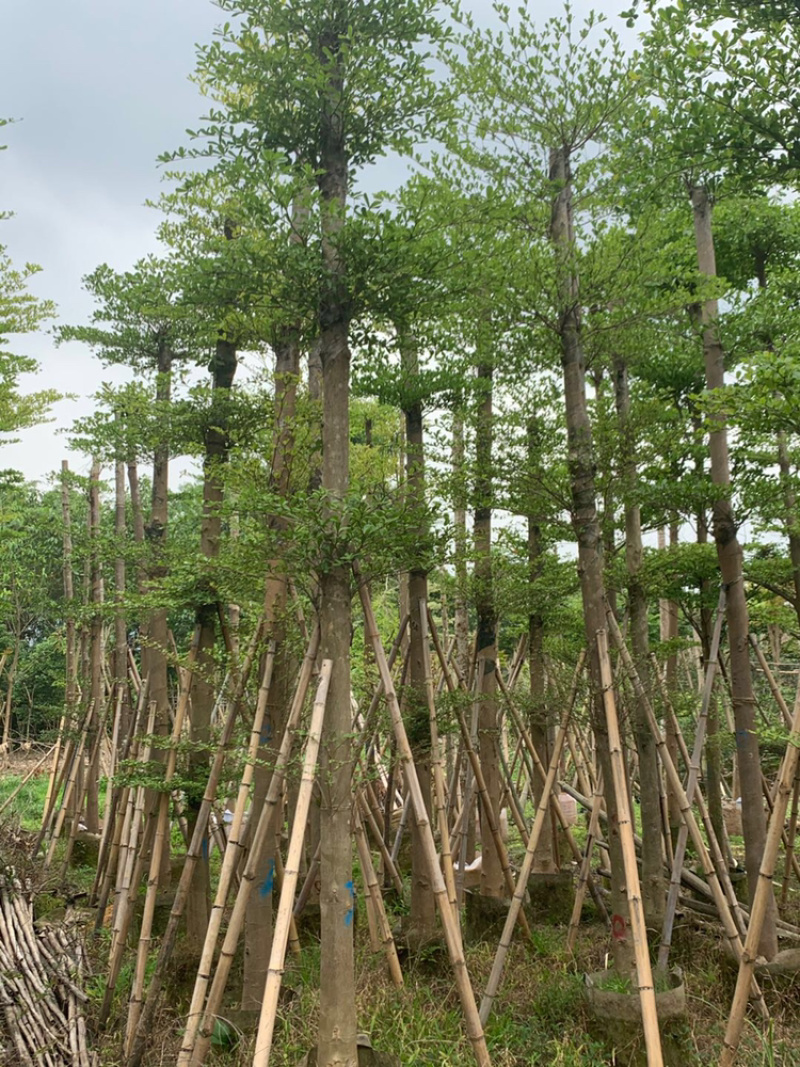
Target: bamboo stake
[(109, 843), (162, 828), (763, 893), (644, 974), (69, 789), (787, 870), (438, 770), (269, 1004), (542, 812), (586, 864), (231, 856), (193, 852), (451, 928), (373, 889), (724, 909), (691, 785), (377, 836), (200, 1023)]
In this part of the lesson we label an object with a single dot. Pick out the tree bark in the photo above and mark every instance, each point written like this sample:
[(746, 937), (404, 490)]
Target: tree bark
[(217, 446), (729, 555), (422, 919), (546, 858), (652, 881), (492, 880), (580, 456), (337, 1013)]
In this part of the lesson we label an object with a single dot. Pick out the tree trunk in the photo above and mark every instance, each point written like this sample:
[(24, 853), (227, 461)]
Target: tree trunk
[(652, 882), (217, 446), (121, 691), (492, 880), (156, 632), (729, 554), (96, 689), (337, 1012), (422, 919), (461, 623), (258, 921), (546, 859), (586, 523)]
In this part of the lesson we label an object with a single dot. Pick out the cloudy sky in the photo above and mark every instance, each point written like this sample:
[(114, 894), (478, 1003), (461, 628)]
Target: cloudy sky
[(100, 88)]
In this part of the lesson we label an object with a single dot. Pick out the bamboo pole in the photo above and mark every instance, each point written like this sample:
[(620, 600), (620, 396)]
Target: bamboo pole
[(644, 973), (763, 893), (162, 829), (200, 1024), (193, 853), (451, 929), (725, 910), (438, 770), (107, 853), (586, 864), (230, 859), (691, 785), (787, 870), (374, 890), (542, 812), (269, 1004)]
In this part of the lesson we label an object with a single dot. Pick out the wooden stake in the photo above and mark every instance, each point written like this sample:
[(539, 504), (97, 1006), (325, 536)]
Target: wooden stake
[(199, 1030), (169, 938), (451, 929), (644, 973), (374, 891), (691, 786), (763, 893), (542, 812), (269, 1005)]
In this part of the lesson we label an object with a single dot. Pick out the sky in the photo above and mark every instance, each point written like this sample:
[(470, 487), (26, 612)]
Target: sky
[(98, 89)]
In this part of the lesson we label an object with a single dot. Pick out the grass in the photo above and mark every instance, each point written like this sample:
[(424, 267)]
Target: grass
[(540, 1015)]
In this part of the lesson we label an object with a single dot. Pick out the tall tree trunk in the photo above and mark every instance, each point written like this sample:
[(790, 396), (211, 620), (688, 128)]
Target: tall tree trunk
[(492, 881), (585, 520), (422, 919), (217, 446), (95, 655), (258, 929), (155, 639), (649, 773), (729, 554), (461, 622), (546, 860), (121, 690), (337, 1015)]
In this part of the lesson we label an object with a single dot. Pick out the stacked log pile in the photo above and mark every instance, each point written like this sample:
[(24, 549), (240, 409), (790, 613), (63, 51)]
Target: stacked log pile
[(42, 1021)]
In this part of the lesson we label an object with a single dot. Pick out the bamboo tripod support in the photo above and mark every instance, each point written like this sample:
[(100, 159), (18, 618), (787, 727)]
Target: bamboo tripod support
[(586, 864), (156, 855), (232, 854), (438, 769), (193, 853), (542, 812), (691, 785), (384, 930), (269, 1004), (483, 792), (542, 772), (644, 973), (724, 909), (763, 893), (451, 928), (200, 1024)]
